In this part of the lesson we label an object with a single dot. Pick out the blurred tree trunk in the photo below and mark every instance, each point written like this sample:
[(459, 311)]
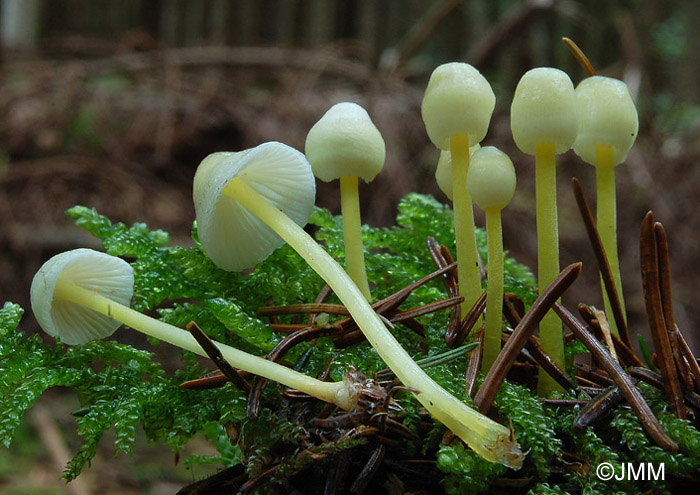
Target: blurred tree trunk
[(286, 21), (19, 23), (169, 23), (194, 23), (246, 22), (366, 27), (219, 22), (690, 62), (320, 26)]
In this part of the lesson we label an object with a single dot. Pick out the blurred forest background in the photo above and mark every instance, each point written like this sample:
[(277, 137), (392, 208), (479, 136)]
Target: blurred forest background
[(113, 104)]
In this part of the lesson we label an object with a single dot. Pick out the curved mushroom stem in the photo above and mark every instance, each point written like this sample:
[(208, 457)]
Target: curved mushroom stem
[(494, 288), (339, 393), (606, 213), (352, 234), (488, 438), (468, 272), (551, 333)]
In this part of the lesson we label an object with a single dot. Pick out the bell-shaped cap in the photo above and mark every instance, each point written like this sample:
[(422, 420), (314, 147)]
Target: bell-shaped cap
[(544, 110), (345, 143), (73, 324), (443, 172), (491, 178), (458, 100), (607, 116), (234, 238)]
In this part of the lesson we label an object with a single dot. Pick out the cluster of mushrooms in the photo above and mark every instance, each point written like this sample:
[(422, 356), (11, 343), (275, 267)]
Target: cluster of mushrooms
[(250, 202)]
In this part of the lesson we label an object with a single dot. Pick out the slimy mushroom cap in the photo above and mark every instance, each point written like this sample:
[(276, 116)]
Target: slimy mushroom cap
[(457, 101), (345, 143), (232, 237), (73, 324), (491, 178), (544, 110), (607, 116)]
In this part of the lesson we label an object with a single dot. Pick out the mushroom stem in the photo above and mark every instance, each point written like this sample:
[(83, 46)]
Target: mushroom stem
[(352, 234), (488, 438), (606, 213), (494, 288), (339, 393), (467, 257), (551, 333)]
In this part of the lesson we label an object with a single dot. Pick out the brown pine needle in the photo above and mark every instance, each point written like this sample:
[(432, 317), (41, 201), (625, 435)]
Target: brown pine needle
[(682, 365), (621, 379), (474, 364), (602, 259), (598, 406), (655, 312), (521, 334), (580, 56), (215, 355)]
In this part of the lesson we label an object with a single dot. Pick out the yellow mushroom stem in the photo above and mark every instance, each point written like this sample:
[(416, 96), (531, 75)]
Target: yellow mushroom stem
[(494, 288), (339, 393), (488, 438), (467, 256), (352, 234), (551, 333), (606, 221)]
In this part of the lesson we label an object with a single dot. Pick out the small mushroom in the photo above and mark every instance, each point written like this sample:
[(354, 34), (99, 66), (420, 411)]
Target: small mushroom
[(228, 194), (83, 295), (456, 110), (443, 172), (491, 183), (607, 130), (344, 144), (544, 122), (230, 234)]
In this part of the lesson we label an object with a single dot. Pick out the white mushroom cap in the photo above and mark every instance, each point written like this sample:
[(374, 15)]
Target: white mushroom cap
[(232, 237), (491, 178), (443, 172), (607, 116), (544, 110), (345, 143), (458, 100), (107, 275)]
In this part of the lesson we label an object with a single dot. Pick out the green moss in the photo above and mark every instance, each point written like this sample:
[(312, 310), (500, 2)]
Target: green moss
[(466, 472), (127, 391)]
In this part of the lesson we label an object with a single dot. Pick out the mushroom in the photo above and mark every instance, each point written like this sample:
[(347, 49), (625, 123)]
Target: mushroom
[(83, 295), (443, 172), (227, 193), (230, 234), (608, 127), (344, 144), (491, 184), (544, 123), (456, 110)]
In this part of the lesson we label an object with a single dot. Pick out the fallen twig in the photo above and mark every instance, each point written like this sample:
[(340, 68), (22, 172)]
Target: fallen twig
[(52, 439)]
